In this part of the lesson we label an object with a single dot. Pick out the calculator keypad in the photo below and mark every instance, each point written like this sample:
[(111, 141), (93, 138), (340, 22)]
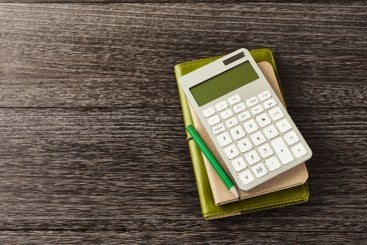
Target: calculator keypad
[(254, 134), (231, 122), (269, 103), (226, 114), (239, 107), (209, 112), (244, 116), (237, 132), (231, 151), (256, 109), (221, 106), (213, 120)]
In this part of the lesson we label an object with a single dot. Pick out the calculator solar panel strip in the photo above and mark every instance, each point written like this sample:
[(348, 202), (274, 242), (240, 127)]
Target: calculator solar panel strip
[(249, 126)]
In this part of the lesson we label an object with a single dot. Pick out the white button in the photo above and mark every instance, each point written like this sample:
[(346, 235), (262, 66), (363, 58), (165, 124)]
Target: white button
[(244, 145), (256, 109), (237, 132), (246, 177), (252, 157), (226, 114), (282, 151), (263, 120), (234, 99), (213, 120), (250, 126), (231, 151), (238, 164), (299, 150), (264, 95), (276, 113), (269, 103), (252, 101), (291, 138), (208, 112), (283, 125), (265, 150), (259, 170), (272, 163), (239, 107), (224, 139), (270, 132), (231, 122), (258, 138), (244, 116), (221, 106), (218, 128)]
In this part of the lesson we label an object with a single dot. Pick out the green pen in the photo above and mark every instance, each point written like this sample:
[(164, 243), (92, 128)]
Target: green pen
[(211, 158)]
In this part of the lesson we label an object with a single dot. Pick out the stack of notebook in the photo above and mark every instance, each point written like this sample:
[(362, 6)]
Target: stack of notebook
[(215, 199)]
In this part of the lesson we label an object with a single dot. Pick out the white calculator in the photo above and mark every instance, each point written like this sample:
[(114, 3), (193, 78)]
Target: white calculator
[(249, 126)]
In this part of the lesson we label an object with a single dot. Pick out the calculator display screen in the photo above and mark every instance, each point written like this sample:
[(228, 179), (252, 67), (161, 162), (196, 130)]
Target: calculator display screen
[(223, 83)]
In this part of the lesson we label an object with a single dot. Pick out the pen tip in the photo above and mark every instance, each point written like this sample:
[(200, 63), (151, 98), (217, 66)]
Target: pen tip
[(234, 191)]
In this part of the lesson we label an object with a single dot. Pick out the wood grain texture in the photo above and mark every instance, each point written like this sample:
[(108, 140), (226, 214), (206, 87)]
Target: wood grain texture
[(93, 147)]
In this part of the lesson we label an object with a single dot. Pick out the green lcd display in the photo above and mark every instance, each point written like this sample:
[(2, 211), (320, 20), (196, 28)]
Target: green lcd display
[(223, 83)]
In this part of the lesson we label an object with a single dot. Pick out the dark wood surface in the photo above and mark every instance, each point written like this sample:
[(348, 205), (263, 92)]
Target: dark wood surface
[(92, 143)]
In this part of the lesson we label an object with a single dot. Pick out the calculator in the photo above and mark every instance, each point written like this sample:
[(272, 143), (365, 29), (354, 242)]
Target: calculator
[(247, 123)]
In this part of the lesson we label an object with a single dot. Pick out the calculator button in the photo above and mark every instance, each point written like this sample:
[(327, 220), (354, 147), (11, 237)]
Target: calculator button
[(246, 177), (272, 163), (221, 106), (283, 125), (258, 138), (239, 107), (252, 157), (234, 99), (252, 101), (239, 164), (256, 109), (250, 126), (231, 151), (213, 120), (244, 145), (237, 132), (218, 128), (263, 120), (259, 170), (231, 122), (265, 150), (244, 116), (282, 151), (291, 138), (269, 103), (226, 114), (298, 150), (270, 132), (276, 113), (208, 112), (264, 95), (224, 139)]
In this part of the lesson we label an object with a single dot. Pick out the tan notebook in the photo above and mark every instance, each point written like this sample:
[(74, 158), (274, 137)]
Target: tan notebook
[(293, 177)]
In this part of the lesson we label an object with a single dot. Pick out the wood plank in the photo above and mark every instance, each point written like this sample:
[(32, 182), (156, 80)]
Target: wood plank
[(112, 92), (213, 236), (75, 168), (67, 53)]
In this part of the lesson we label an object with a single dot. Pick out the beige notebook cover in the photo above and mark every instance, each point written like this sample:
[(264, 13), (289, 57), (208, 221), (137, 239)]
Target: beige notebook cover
[(293, 177)]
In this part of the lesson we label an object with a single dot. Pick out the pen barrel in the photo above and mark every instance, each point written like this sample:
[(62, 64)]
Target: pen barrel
[(209, 155)]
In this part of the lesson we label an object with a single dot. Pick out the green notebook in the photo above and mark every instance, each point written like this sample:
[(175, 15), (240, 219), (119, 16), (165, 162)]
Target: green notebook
[(209, 210)]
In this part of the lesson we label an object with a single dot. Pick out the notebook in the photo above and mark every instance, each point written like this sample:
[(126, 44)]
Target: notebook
[(211, 190)]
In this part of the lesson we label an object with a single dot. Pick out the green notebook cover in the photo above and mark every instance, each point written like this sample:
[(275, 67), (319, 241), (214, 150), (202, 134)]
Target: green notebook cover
[(209, 210)]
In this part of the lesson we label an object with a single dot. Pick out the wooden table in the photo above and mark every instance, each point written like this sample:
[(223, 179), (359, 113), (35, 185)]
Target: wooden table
[(92, 143)]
